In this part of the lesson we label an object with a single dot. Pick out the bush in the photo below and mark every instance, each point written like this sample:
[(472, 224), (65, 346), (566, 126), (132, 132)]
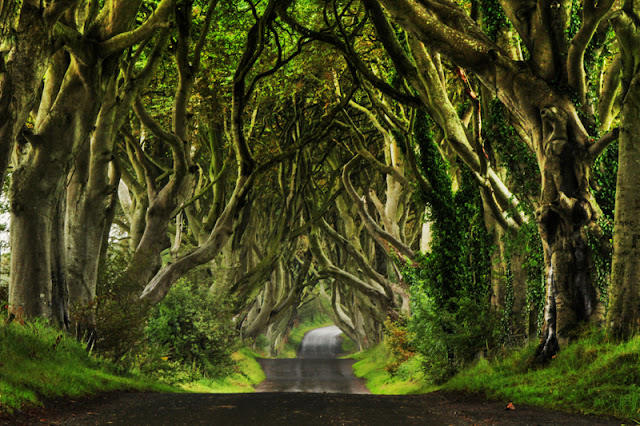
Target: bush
[(194, 327), (450, 339), (399, 344), (120, 317)]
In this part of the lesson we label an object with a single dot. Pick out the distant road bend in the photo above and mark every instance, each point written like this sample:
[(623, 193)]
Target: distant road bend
[(317, 368)]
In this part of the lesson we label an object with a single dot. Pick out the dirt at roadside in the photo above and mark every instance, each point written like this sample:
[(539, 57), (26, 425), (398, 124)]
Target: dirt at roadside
[(446, 408)]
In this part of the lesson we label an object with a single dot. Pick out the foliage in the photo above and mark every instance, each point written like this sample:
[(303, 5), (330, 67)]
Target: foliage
[(451, 320), (605, 172), (39, 361), (592, 375), (398, 343), (190, 334), (194, 327), (512, 154), (494, 21), (528, 246), (409, 377), (119, 315)]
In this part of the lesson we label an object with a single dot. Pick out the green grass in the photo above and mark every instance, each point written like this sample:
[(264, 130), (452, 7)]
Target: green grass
[(408, 379), (247, 374), (39, 362), (592, 376)]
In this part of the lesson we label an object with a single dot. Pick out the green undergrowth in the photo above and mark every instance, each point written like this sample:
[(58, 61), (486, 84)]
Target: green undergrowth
[(247, 373), (348, 346), (408, 378), (38, 362), (591, 376)]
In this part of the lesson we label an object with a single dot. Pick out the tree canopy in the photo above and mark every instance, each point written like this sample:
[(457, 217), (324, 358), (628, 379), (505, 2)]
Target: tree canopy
[(446, 163)]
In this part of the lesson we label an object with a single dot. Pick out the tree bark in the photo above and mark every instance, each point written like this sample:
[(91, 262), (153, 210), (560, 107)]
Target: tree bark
[(623, 318)]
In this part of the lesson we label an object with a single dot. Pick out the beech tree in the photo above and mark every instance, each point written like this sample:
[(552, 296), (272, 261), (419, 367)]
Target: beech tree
[(623, 318), (80, 75), (557, 127), (226, 134)]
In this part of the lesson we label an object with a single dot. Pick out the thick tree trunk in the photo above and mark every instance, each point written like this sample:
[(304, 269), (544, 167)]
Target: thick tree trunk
[(624, 296), (31, 227), (566, 214), (21, 69), (38, 186)]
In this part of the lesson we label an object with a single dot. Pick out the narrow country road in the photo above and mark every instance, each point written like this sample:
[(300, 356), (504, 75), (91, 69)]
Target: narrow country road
[(315, 389), (316, 369)]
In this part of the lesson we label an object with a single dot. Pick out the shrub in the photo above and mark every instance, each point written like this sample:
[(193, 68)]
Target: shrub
[(195, 328), (120, 317), (399, 344)]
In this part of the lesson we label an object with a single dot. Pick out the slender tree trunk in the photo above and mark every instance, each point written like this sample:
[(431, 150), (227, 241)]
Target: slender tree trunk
[(87, 209), (519, 310)]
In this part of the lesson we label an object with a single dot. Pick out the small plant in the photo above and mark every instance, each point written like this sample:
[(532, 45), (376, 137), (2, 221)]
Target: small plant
[(398, 342)]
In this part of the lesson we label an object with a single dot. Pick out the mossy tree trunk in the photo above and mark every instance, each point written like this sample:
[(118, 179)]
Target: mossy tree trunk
[(624, 296)]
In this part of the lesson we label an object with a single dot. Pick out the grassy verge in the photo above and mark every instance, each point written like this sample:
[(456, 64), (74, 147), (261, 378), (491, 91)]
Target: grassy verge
[(247, 374), (38, 362), (592, 376), (408, 379)]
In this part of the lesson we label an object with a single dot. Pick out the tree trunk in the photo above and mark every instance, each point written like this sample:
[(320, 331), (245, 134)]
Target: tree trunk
[(86, 222), (624, 295), (38, 185), (29, 50), (519, 309)]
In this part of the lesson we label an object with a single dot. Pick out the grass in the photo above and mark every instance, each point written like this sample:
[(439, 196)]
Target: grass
[(408, 379), (39, 362), (591, 376), (246, 376)]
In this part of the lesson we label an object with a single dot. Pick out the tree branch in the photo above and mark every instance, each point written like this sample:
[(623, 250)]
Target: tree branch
[(118, 43)]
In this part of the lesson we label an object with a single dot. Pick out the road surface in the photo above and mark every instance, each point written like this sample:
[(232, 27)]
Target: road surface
[(316, 369)]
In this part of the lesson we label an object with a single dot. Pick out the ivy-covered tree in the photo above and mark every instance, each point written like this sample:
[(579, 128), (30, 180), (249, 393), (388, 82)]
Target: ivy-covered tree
[(548, 98)]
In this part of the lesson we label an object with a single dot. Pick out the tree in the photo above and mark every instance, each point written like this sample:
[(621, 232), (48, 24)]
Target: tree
[(623, 319), (555, 126), (79, 77)]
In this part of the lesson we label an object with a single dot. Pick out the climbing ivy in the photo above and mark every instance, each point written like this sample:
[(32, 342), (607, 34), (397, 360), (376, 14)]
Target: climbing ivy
[(575, 20), (528, 245), (493, 18), (511, 153), (451, 318), (605, 171)]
